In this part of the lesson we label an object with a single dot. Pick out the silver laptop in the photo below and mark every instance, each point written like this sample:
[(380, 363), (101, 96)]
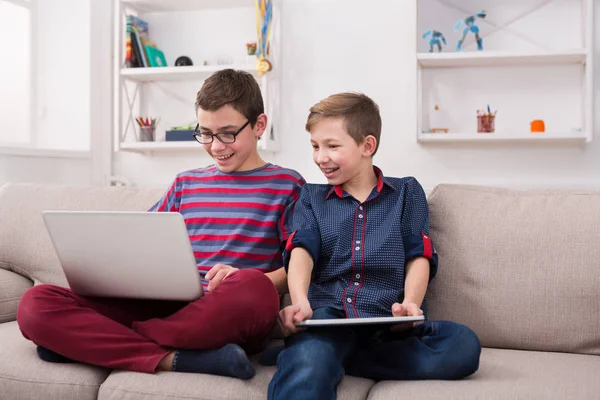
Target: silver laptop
[(139, 255)]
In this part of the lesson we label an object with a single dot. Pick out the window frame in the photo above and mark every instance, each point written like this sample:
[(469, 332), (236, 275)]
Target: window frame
[(12, 148), (30, 148)]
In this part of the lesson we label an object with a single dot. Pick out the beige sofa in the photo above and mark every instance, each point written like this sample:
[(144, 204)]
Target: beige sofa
[(521, 268)]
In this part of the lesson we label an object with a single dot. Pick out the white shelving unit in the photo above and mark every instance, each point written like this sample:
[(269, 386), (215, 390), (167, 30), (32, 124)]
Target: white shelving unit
[(161, 147), (500, 58), (530, 77), (500, 137), (172, 74), (147, 6), (131, 84)]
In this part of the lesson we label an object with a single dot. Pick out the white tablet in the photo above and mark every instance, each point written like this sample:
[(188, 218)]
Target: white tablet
[(359, 321)]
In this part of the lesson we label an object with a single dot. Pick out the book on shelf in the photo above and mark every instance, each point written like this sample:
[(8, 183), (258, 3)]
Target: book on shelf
[(156, 57), (140, 51), (129, 61)]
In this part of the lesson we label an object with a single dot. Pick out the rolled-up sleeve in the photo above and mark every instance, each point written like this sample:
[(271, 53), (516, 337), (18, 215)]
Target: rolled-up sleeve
[(415, 227), (305, 229), (286, 220)]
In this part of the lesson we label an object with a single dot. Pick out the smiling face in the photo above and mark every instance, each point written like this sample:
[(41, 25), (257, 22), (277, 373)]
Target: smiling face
[(336, 153), (242, 155)]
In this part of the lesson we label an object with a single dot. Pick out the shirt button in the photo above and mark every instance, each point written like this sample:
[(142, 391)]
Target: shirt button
[(358, 242), (357, 248), (355, 283), (360, 216), (349, 300), (360, 208), (357, 276)]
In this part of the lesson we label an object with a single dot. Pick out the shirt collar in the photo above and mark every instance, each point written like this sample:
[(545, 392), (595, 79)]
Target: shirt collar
[(381, 181)]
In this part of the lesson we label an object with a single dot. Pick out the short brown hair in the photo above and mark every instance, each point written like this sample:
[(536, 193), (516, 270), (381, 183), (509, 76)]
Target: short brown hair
[(358, 111), (236, 88)]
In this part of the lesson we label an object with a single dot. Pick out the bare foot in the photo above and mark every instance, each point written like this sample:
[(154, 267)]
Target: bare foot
[(166, 364)]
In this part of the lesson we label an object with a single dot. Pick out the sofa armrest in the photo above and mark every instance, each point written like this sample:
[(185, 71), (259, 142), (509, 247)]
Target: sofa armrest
[(12, 287)]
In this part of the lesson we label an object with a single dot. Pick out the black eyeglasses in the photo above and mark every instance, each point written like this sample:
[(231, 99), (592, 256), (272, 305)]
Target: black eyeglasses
[(223, 137)]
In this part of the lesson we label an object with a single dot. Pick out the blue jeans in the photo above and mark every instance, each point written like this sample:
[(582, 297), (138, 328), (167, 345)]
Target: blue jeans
[(314, 361)]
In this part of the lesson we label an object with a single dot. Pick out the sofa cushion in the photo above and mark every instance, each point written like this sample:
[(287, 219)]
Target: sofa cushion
[(508, 374), (520, 267), (12, 287), (121, 385), (24, 376), (25, 246)]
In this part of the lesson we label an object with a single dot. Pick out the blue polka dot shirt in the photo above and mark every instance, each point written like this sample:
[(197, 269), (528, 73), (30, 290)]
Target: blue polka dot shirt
[(360, 249)]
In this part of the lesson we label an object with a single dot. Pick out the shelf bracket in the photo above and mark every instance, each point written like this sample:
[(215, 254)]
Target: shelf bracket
[(130, 105)]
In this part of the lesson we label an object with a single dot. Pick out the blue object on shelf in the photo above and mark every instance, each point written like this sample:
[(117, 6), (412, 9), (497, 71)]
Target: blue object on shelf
[(179, 136)]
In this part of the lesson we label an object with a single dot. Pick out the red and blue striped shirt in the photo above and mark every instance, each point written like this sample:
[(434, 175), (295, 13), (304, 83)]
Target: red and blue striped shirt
[(240, 219)]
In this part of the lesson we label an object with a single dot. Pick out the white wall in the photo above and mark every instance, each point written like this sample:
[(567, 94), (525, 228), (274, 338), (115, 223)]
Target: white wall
[(354, 46), (350, 46), (339, 45), (63, 74)]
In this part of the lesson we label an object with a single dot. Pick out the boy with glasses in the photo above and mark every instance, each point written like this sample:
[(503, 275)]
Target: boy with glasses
[(237, 213)]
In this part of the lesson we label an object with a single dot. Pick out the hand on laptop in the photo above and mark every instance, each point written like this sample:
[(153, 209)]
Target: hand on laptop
[(292, 314), (218, 274), (402, 310)]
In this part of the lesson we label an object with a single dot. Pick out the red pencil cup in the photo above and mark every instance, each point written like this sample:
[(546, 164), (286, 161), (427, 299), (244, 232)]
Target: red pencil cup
[(147, 133), (485, 123)]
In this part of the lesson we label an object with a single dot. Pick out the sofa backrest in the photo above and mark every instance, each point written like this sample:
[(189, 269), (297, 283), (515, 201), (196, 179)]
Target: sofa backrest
[(521, 268), (25, 245)]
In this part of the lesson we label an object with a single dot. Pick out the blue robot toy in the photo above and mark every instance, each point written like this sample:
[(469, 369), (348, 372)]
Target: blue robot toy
[(437, 38), (470, 27)]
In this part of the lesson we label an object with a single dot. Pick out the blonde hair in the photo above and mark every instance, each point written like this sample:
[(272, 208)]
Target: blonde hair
[(358, 111)]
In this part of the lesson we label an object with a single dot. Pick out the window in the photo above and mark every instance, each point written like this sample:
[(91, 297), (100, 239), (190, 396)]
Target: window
[(45, 67), (15, 73)]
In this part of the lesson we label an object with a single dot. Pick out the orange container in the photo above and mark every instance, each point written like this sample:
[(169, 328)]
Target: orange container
[(538, 126)]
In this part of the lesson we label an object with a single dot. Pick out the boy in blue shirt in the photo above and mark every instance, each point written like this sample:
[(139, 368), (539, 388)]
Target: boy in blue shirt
[(361, 248)]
